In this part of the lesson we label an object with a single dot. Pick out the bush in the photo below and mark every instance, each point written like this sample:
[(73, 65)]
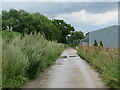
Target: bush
[(25, 58), (101, 44), (95, 43)]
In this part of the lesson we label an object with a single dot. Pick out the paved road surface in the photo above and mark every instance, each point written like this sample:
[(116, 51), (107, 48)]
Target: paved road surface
[(70, 72)]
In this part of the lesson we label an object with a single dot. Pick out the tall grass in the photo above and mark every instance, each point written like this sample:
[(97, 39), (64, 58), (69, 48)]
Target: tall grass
[(24, 58), (105, 61), (0, 62)]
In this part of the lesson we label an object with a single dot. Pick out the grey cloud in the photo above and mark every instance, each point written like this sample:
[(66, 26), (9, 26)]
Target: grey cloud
[(52, 9)]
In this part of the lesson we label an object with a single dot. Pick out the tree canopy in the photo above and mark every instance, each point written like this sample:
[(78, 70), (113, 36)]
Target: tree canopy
[(66, 29), (26, 23), (77, 35)]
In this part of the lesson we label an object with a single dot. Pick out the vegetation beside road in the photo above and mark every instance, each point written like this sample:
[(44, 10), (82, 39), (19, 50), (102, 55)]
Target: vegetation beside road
[(105, 61), (30, 43), (0, 34), (23, 58), (0, 59)]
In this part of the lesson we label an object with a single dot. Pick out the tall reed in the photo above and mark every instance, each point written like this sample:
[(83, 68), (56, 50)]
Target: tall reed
[(24, 58)]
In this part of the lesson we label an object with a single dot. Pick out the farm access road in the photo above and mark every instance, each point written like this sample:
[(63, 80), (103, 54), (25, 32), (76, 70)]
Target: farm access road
[(69, 71)]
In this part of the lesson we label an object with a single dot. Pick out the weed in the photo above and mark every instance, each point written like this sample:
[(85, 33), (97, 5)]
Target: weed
[(105, 61), (24, 58)]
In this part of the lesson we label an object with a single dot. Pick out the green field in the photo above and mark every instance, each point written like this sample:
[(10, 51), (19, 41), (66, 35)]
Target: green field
[(105, 61)]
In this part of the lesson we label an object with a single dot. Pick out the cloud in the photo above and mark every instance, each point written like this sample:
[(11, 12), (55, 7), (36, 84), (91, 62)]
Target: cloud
[(85, 18), (54, 8)]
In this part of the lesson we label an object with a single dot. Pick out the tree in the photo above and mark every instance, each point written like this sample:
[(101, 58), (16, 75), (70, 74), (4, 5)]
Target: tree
[(14, 20), (5, 20), (77, 35), (26, 23), (66, 29)]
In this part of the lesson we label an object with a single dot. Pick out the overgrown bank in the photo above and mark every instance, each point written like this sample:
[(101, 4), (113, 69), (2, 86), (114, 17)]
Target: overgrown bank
[(23, 58), (105, 61)]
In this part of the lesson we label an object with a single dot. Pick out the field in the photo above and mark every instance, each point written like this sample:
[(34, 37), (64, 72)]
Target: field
[(105, 61), (24, 58)]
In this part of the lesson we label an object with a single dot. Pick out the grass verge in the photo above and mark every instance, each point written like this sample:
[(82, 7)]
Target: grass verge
[(105, 61)]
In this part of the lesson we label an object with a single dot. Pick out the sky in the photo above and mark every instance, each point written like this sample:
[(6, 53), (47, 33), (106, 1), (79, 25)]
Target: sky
[(84, 16)]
